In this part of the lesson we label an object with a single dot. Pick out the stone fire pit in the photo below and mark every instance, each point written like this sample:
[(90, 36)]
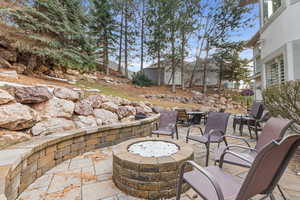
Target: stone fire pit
[(148, 168)]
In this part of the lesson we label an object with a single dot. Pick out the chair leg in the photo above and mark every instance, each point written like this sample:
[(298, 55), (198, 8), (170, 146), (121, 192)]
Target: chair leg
[(207, 154), (225, 141), (281, 192), (234, 125), (176, 130), (241, 128), (250, 132), (256, 132), (179, 188)]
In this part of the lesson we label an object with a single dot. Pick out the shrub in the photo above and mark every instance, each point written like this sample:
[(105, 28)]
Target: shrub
[(284, 100), (141, 79)]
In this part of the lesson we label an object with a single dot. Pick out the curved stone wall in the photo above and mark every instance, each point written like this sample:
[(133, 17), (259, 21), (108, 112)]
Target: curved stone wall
[(22, 164)]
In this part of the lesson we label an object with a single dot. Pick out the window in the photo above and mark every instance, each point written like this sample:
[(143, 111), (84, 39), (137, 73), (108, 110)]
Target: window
[(270, 7), (275, 71)]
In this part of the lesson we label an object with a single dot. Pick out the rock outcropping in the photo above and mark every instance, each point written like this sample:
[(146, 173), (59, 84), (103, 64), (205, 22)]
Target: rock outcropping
[(41, 110)]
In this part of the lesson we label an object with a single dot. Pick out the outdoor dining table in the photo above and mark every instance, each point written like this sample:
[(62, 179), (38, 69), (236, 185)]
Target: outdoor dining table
[(196, 116), (241, 120)]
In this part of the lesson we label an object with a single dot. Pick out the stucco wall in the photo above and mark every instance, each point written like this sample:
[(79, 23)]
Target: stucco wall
[(296, 51), (283, 29)]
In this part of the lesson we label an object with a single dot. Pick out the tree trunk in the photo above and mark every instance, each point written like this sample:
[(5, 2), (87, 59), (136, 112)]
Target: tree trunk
[(193, 72), (121, 41), (159, 67), (173, 60), (32, 64), (142, 36), (106, 61), (182, 60), (205, 71), (220, 77), (126, 38)]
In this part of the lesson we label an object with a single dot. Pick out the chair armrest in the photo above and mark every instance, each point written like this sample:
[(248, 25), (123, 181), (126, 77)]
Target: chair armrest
[(210, 177), (234, 154), (238, 138), (239, 146)]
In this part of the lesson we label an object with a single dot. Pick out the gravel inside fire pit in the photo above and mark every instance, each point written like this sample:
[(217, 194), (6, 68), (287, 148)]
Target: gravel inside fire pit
[(153, 148)]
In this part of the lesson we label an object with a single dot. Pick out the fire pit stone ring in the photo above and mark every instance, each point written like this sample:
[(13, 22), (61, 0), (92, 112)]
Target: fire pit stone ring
[(149, 173)]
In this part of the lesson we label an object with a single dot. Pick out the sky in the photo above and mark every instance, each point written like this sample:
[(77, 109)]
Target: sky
[(242, 35)]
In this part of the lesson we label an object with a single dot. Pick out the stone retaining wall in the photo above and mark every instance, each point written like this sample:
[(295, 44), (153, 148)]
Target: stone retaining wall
[(22, 164)]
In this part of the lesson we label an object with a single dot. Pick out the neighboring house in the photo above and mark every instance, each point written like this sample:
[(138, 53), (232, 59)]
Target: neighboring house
[(165, 74), (277, 45)]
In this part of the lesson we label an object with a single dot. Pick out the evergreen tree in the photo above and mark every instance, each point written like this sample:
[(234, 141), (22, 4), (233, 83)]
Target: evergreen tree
[(55, 32), (103, 29), (156, 43)]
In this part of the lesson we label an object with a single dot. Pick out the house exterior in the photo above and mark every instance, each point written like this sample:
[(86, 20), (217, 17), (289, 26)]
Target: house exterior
[(165, 73), (276, 47)]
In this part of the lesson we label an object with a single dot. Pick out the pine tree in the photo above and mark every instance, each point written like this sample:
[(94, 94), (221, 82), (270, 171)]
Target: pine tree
[(156, 43), (53, 31), (103, 28)]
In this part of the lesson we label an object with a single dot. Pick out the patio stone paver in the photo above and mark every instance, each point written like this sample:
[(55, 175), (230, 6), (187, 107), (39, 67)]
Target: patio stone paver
[(89, 177)]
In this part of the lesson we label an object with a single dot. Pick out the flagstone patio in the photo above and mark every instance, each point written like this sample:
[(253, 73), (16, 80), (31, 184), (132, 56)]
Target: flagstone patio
[(89, 177)]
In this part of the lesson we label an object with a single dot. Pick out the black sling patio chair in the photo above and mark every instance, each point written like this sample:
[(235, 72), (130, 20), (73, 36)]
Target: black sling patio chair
[(183, 117), (213, 183), (256, 124), (214, 131), (255, 112), (167, 124)]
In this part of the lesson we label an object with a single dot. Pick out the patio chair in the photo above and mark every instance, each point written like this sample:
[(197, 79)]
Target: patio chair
[(213, 183), (182, 117), (256, 124), (214, 131), (255, 112), (167, 124), (274, 129)]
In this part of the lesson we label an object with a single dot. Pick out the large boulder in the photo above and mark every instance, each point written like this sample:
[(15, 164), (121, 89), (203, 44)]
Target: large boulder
[(96, 100), (141, 107), (10, 56), (5, 97), (117, 100), (106, 116), (29, 95), (83, 107), (55, 108), (66, 93), (110, 106), (17, 116), (126, 111), (8, 138), (85, 121), (53, 125)]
